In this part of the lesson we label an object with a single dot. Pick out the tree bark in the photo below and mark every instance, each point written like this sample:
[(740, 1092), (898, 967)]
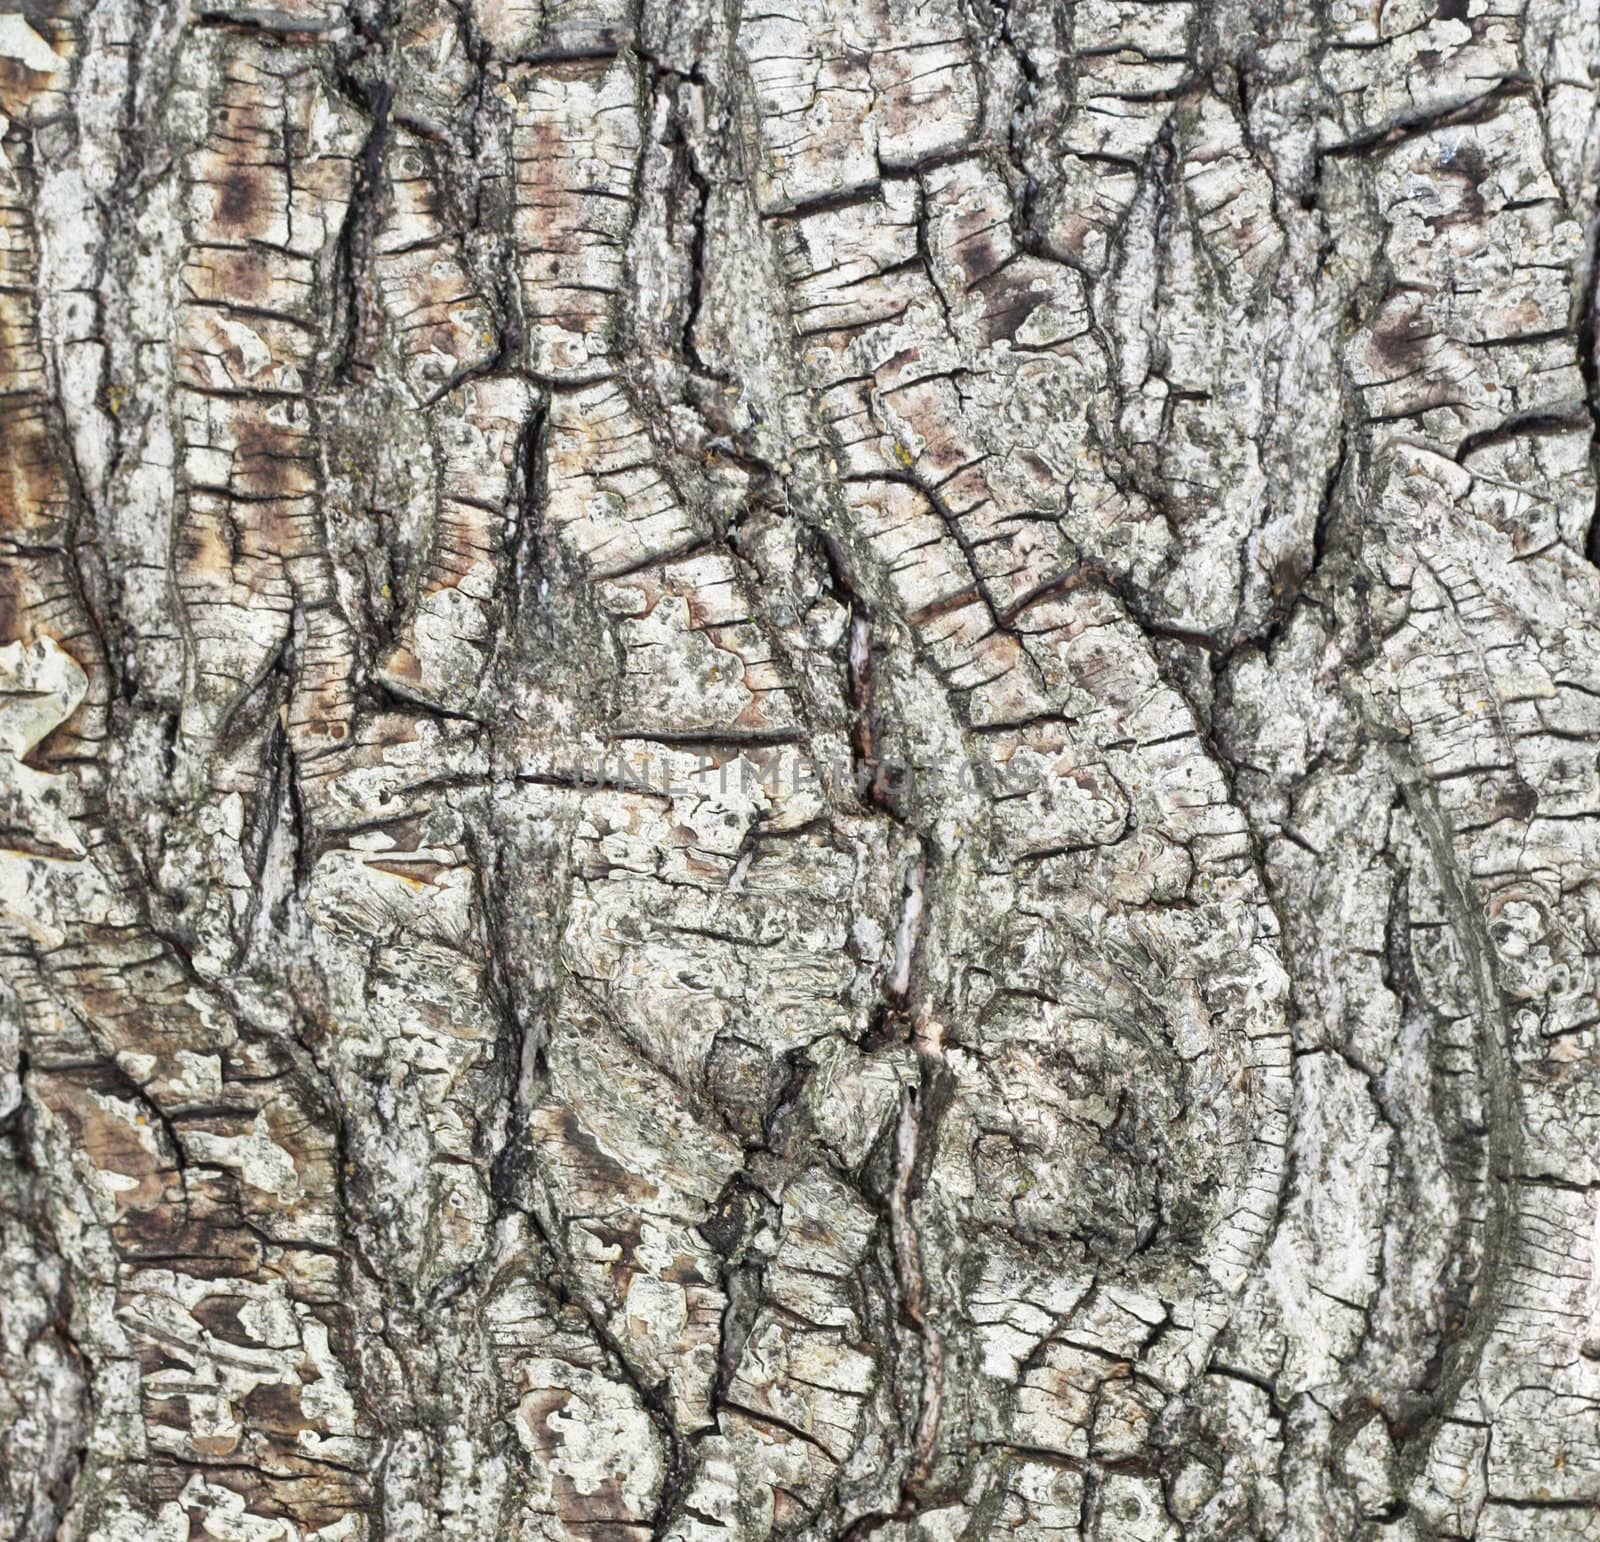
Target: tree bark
[(828, 772)]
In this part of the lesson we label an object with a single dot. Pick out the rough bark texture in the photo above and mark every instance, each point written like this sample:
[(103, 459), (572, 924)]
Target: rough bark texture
[(1070, 1010)]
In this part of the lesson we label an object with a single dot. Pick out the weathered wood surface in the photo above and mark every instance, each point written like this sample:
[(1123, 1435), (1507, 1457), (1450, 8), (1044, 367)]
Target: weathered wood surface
[(1070, 1010)]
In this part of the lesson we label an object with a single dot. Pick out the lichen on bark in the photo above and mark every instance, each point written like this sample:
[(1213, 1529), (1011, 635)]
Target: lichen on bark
[(814, 771)]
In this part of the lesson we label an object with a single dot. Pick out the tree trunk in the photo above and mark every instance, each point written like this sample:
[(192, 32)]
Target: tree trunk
[(825, 772)]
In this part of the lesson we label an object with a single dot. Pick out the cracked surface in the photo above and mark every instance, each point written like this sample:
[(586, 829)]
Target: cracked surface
[(812, 771)]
